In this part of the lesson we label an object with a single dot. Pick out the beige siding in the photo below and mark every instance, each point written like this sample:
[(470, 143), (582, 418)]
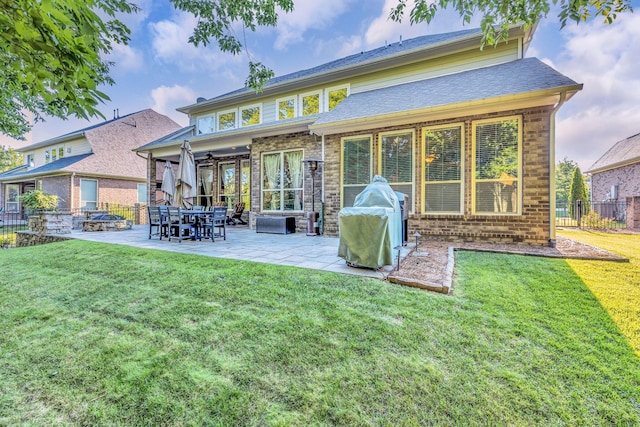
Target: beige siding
[(451, 64), (434, 67)]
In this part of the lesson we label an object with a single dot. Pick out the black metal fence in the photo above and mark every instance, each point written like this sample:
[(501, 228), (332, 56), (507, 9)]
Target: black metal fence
[(603, 215), (12, 222)]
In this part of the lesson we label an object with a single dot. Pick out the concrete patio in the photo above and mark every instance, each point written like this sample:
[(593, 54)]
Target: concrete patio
[(297, 249)]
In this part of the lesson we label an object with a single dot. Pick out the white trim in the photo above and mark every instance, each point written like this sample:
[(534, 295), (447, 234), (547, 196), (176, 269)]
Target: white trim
[(247, 107), (412, 131), (334, 89), (307, 94), (422, 167), (371, 156), (281, 189), (293, 98), (97, 191), (220, 113), (474, 180)]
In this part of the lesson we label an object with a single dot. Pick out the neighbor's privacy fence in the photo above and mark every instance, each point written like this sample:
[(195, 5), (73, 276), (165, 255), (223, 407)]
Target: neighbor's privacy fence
[(611, 214), (12, 222)]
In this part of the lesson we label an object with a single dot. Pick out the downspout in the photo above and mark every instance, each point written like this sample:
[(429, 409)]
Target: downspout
[(322, 187), (552, 170)]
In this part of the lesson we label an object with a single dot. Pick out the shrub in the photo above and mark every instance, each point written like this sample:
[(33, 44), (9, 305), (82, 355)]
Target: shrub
[(38, 200)]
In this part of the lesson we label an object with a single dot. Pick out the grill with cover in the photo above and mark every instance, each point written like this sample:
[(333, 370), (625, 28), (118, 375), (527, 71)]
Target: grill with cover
[(372, 227)]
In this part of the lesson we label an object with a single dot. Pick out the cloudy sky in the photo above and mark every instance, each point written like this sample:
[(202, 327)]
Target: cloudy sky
[(160, 70)]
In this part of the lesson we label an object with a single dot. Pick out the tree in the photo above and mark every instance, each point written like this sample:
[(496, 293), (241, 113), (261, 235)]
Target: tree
[(564, 176), (9, 158), (219, 19), (578, 191), (51, 55)]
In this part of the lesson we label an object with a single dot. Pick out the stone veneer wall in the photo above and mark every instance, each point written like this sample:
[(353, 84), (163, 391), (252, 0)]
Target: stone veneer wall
[(30, 238), (532, 226), (633, 212)]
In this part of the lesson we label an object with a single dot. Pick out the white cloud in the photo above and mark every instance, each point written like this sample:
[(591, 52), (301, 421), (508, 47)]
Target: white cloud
[(602, 57), (307, 15), (171, 46), (167, 98), (126, 58)]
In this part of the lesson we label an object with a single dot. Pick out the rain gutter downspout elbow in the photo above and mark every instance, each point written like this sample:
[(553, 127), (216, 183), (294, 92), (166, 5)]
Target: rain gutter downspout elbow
[(552, 169)]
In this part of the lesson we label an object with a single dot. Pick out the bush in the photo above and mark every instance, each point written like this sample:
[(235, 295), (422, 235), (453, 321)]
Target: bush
[(38, 200)]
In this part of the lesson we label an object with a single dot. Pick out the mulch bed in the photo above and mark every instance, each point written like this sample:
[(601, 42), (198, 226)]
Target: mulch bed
[(430, 266)]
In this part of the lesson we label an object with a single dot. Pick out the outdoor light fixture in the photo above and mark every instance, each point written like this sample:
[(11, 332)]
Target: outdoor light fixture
[(312, 217), (417, 236)]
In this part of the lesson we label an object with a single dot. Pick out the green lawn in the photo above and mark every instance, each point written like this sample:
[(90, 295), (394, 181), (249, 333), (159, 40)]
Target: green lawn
[(94, 334)]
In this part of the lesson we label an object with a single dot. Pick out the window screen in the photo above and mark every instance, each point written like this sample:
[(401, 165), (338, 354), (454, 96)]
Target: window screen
[(396, 161), (356, 167), (443, 151), (497, 166)]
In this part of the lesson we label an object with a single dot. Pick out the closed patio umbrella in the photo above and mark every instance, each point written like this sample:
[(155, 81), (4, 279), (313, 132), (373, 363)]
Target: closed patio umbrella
[(186, 179), (168, 183)]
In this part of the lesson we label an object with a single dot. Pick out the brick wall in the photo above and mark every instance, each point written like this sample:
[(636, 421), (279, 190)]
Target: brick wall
[(532, 226), (113, 191), (627, 178), (59, 185)]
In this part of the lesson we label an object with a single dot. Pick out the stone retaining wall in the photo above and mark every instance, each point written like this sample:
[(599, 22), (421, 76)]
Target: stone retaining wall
[(30, 238), (106, 225)]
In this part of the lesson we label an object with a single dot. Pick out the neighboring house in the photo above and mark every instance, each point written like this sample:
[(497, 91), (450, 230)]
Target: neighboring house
[(90, 166), (616, 175), (467, 133)]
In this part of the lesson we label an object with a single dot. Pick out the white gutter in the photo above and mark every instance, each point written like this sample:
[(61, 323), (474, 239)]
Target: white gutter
[(552, 170)]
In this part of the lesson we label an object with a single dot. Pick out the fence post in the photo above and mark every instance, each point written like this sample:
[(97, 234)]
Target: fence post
[(578, 210)]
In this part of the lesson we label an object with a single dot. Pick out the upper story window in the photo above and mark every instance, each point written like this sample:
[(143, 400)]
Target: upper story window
[(60, 152), (496, 167), (47, 156), (250, 115), (335, 96), (227, 120), (205, 124), (310, 103), (29, 160), (286, 108)]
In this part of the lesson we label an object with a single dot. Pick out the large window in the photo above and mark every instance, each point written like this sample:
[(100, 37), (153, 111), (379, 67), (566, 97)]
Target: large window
[(13, 197), (205, 124), (227, 184), (88, 194), (250, 115), (227, 120), (356, 167), (396, 160), (282, 181), (286, 108), (245, 181), (142, 193), (496, 166), (335, 96), (310, 103), (443, 166)]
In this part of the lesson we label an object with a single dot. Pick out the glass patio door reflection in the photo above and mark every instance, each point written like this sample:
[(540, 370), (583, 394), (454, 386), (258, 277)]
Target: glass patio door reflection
[(205, 185), (227, 184)]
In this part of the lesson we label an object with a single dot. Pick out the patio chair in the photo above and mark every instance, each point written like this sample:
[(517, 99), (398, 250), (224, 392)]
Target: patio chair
[(237, 214), (177, 225), (155, 221), (215, 226)]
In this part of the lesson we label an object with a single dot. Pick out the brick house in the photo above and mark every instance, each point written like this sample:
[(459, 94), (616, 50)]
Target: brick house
[(466, 133), (615, 178), (90, 166)]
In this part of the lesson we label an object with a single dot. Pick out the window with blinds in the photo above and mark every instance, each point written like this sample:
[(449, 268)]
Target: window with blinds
[(396, 160), (443, 166), (497, 166), (356, 167)]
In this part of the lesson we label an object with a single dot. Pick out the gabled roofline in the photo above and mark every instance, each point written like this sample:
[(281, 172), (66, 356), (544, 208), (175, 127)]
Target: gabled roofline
[(616, 165), (394, 60)]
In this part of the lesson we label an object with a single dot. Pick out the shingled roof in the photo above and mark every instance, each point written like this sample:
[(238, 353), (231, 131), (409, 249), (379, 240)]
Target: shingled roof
[(111, 143), (517, 77), (623, 152)]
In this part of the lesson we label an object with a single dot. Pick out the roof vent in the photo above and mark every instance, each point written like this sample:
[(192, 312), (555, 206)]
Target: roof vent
[(200, 99), (400, 39)]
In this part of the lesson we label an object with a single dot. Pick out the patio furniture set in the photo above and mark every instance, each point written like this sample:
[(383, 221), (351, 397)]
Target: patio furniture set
[(197, 223)]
